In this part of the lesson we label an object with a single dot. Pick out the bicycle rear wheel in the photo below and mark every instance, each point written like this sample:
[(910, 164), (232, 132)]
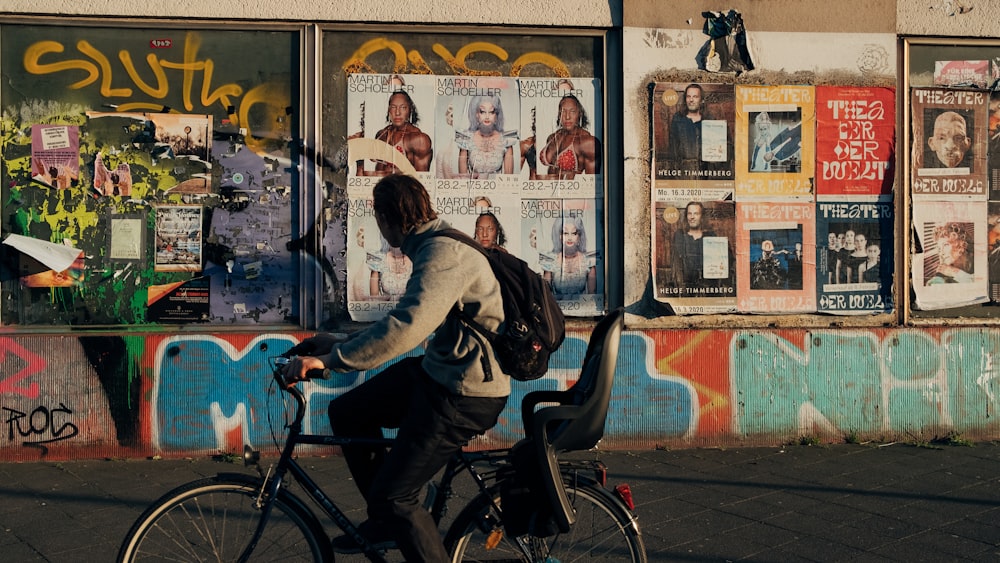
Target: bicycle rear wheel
[(604, 531), (213, 519)]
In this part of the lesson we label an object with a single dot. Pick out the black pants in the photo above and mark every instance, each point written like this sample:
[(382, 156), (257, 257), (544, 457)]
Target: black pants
[(433, 424)]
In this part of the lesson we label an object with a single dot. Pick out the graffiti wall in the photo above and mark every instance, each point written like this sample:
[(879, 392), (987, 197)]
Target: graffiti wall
[(173, 396)]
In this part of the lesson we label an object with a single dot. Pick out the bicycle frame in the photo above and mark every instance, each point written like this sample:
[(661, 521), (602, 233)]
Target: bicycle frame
[(286, 464)]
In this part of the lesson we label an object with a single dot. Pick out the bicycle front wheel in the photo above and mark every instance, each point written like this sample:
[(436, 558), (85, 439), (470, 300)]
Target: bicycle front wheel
[(214, 519), (604, 531)]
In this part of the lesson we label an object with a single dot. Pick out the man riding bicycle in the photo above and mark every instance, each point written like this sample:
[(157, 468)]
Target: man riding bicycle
[(439, 400)]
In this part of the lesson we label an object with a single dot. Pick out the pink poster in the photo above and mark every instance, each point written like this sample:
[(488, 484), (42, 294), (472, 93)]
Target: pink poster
[(775, 257)]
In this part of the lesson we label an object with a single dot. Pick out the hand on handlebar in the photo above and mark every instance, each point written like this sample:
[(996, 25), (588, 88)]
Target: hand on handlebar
[(304, 368)]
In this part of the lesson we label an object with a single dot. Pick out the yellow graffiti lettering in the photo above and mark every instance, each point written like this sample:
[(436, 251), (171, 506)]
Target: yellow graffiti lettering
[(162, 86), (103, 71), (32, 64), (103, 62), (457, 61), (557, 67), (418, 64), (263, 111), (221, 93), (357, 62)]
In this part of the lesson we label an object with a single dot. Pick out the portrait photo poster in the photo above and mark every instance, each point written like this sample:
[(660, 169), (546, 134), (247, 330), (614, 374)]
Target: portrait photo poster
[(950, 267), (567, 235), (376, 273), (694, 265), (948, 153), (693, 135), (775, 257), (854, 257), (855, 142), (541, 128), (776, 143)]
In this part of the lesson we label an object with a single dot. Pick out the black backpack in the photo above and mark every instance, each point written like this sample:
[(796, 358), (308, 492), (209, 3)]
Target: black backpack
[(533, 327)]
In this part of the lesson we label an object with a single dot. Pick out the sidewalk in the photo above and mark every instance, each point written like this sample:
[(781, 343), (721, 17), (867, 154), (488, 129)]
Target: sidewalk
[(795, 503)]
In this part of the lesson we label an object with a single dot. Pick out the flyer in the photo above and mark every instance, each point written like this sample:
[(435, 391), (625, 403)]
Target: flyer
[(694, 266), (693, 135), (949, 144), (951, 269), (55, 155), (775, 257), (855, 142), (854, 257), (776, 140), (178, 238)]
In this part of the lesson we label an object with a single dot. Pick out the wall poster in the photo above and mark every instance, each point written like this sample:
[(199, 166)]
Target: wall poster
[(948, 158), (776, 140), (855, 142), (854, 257), (776, 257)]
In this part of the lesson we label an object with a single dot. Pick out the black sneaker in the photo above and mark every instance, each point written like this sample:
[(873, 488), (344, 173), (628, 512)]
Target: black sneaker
[(374, 534)]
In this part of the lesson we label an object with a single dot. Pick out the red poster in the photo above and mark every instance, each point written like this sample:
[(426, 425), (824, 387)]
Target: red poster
[(855, 141)]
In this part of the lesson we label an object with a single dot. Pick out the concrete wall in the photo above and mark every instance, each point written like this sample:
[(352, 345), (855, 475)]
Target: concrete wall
[(682, 381)]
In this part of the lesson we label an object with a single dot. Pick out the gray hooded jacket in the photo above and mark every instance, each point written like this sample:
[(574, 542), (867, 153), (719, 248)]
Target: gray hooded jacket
[(445, 272)]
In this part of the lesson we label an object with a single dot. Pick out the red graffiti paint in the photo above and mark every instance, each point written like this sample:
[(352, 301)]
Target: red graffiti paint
[(33, 363)]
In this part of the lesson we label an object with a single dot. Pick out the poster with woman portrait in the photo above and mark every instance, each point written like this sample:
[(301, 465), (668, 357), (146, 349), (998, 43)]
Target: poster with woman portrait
[(561, 149), (489, 219), (775, 257), (377, 273), (776, 136), (390, 128), (951, 270), (948, 153), (854, 257), (567, 237), (477, 119)]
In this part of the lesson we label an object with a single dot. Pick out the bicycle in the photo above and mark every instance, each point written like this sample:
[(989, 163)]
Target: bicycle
[(239, 517)]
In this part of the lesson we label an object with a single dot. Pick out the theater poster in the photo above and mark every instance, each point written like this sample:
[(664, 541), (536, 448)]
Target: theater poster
[(948, 156), (693, 136), (694, 244), (775, 257), (993, 242), (854, 257), (855, 142), (993, 146), (377, 273), (776, 143), (950, 269)]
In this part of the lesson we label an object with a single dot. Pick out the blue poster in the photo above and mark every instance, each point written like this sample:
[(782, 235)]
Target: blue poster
[(854, 257)]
